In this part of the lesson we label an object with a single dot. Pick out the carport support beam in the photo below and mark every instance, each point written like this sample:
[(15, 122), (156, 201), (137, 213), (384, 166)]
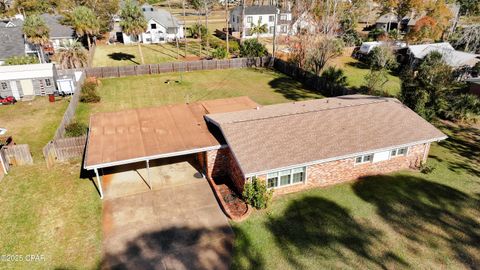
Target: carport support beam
[(148, 174), (99, 183)]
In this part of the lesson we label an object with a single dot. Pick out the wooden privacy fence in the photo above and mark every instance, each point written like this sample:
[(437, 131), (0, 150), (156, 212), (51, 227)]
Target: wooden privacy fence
[(70, 112), (17, 155), (109, 72), (64, 149)]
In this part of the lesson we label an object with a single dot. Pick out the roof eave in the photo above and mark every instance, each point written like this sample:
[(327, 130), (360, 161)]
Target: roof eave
[(342, 157)]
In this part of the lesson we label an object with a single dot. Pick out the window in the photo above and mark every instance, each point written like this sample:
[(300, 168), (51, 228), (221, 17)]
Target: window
[(272, 180), (271, 18), (153, 26), (398, 152), (364, 159), (298, 175), (402, 151), (283, 29), (283, 17), (271, 29), (286, 177), (4, 86), (48, 82), (249, 19), (260, 18)]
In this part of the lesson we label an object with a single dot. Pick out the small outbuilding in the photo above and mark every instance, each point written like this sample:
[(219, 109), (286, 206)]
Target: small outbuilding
[(27, 81)]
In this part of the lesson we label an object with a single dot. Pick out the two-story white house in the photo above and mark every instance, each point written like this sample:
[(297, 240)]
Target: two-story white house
[(255, 15), (162, 27)]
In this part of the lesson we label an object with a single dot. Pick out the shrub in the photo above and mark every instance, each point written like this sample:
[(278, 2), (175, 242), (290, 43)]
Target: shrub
[(20, 60), (252, 48), (197, 29), (89, 92), (256, 194), (220, 53), (75, 129), (233, 46)]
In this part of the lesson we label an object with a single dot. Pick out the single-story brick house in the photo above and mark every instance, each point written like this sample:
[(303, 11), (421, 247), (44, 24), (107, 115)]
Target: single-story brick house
[(291, 146)]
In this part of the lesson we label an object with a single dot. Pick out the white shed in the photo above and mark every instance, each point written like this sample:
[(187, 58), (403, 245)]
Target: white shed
[(27, 80)]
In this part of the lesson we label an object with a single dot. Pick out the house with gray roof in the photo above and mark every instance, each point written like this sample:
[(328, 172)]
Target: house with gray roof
[(290, 147), (260, 15), (59, 33), (162, 27), (12, 40)]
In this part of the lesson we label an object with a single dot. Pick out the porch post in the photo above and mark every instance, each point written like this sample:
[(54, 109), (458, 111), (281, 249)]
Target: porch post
[(99, 183), (148, 175)]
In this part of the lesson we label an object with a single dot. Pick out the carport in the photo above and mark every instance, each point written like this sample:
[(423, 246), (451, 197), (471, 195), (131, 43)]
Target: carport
[(148, 134)]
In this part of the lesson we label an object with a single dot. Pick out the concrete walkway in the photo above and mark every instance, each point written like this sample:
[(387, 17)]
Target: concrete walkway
[(175, 226)]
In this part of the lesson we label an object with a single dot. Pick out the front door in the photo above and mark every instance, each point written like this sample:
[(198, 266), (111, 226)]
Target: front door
[(27, 87), (15, 93)]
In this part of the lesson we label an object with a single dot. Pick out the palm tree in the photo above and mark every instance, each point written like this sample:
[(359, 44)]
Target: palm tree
[(133, 22), (37, 33), (72, 54), (259, 28), (85, 22)]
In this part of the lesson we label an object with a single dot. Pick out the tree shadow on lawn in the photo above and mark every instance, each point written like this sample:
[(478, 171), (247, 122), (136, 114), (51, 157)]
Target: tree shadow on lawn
[(120, 56), (465, 142), (321, 229), (427, 213), (292, 89)]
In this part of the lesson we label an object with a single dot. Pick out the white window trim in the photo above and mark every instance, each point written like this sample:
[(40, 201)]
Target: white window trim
[(363, 157), (304, 180)]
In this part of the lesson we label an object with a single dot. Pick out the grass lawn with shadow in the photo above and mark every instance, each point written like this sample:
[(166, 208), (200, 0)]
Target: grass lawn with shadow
[(262, 85), (127, 55), (397, 221), (355, 72)]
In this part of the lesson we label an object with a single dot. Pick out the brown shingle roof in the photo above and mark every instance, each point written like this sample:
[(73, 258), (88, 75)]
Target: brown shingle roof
[(283, 135), (134, 135)]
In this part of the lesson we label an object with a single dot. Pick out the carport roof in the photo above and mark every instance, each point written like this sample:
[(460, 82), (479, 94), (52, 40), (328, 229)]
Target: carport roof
[(123, 137)]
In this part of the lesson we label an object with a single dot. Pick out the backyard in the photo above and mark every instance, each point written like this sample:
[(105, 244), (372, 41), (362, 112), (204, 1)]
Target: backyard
[(262, 85), (46, 211), (356, 71), (127, 55)]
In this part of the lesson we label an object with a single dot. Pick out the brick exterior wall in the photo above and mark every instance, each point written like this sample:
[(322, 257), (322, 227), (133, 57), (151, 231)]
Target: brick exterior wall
[(335, 172), (222, 163)]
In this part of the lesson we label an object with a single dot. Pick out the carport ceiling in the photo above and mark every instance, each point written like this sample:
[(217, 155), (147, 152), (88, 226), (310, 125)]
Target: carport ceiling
[(117, 138)]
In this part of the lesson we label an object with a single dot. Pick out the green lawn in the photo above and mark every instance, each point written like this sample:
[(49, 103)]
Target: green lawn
[(263, 86), (356, 71), (49, 212), (405, 220), (33, 122), (126, 55)]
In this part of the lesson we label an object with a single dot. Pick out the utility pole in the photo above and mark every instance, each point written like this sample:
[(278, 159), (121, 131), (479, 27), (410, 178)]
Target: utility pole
[(274, 50), (184, 28), (176, 30), (226, 21), (207, 44), (242, 22)]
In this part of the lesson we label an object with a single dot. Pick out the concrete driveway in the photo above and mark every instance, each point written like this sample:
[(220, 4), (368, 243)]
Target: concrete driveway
[(177, 225)]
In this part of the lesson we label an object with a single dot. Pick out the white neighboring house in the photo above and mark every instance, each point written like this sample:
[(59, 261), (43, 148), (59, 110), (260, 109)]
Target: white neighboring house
[(263, 15), (304, 23), (27, 80), (452, 57), (162, 27)]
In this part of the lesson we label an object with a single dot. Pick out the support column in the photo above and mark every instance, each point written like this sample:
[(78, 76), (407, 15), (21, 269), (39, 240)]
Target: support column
[(148, 175), (99, 183)]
